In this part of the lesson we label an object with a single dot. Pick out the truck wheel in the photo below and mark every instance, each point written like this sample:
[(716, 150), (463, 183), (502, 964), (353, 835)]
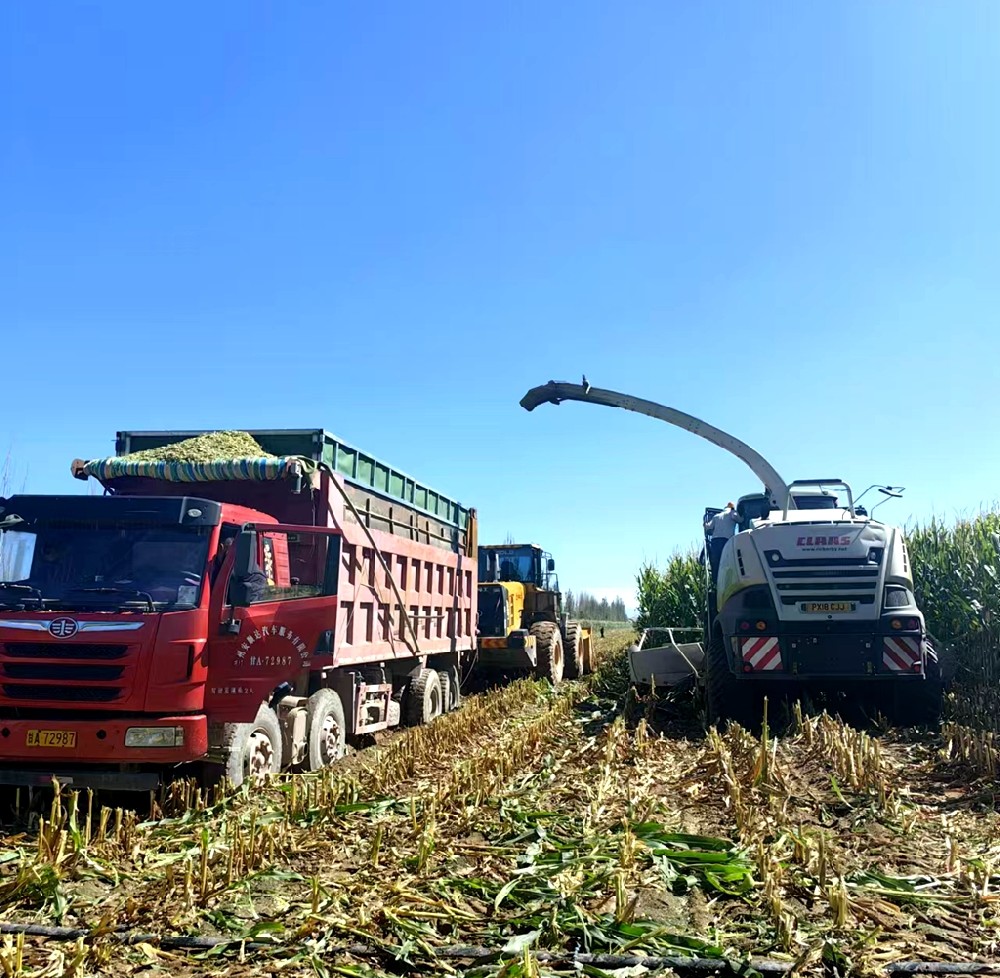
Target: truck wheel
[(445, 680), (450, 694), (729, 697), (456, 686), (254, 748), (325, 728), (549, 649), (423, 699), (573, 654)]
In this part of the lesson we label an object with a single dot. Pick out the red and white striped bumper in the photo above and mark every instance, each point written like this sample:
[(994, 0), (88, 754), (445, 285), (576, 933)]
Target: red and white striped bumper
[(760, 654), (901, 654)]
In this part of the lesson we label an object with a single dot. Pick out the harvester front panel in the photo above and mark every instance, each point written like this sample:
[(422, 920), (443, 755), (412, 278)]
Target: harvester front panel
[(802, 599)]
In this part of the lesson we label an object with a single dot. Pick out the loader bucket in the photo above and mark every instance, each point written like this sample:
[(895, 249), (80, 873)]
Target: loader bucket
[(586, 645), (671, 663)]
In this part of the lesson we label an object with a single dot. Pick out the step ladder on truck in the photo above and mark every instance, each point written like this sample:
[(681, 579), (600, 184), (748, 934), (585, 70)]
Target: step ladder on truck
[(812, 595)]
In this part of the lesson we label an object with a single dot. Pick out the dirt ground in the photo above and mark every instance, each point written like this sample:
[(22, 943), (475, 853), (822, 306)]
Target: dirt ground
[(534, 822)]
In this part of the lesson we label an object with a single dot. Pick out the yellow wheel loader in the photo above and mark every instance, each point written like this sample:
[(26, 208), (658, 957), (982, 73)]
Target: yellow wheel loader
[(521, 622)]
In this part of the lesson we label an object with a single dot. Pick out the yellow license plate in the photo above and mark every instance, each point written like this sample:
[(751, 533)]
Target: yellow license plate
[(827, 607), (51, 738)]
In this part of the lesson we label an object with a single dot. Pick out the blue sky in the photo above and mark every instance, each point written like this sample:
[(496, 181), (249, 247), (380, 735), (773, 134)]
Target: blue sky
[(391, 220)]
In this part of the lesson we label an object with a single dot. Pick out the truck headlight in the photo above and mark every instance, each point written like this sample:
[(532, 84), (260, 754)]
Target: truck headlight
[(154, 737)]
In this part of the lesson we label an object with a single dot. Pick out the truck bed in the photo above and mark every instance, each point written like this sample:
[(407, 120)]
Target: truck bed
[(387, 498)]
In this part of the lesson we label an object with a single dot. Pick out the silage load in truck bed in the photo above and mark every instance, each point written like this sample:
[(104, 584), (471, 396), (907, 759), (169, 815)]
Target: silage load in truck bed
[(212, 457), (215, 446)]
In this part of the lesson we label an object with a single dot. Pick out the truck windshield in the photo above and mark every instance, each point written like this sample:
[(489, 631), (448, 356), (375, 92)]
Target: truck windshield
[(93, 564)]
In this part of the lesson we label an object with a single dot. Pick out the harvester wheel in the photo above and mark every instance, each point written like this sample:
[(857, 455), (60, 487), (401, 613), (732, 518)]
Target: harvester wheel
[(573, 655), (917, 703), (326, 729), (729, 697), (423, 698), (253, 749), (549, 648)]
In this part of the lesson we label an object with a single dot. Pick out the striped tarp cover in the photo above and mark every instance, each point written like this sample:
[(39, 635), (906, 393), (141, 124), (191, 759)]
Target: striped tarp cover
[(222, 470)]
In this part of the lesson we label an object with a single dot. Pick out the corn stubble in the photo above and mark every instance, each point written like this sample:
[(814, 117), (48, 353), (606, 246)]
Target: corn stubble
[(564, 820)]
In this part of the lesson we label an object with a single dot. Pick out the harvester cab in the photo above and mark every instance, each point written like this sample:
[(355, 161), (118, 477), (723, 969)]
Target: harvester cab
[(521, 619)]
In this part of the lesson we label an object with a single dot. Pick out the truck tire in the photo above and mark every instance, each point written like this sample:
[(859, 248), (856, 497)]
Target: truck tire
[(254, 749), (728, 697), (450, 693), (549, 649), (423, 698), (456, 686), (572, 653), (325, 729), (445, 680)]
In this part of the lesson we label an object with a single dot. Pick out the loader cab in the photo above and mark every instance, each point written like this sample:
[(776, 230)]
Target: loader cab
[(523, 563)]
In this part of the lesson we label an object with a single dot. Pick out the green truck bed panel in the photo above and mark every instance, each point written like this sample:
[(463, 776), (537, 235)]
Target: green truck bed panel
[(358, 468)]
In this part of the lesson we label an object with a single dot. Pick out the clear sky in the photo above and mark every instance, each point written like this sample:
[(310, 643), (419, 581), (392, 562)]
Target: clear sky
[(391, 220)]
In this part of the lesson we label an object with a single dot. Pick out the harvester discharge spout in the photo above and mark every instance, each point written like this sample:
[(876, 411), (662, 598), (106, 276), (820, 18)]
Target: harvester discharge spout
[(555, 392)]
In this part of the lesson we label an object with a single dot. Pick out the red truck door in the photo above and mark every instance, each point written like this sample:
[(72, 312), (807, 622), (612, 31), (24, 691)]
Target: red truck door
[(287, 617)]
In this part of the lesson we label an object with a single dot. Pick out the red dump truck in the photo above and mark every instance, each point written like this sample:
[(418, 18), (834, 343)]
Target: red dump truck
[(227, 618)]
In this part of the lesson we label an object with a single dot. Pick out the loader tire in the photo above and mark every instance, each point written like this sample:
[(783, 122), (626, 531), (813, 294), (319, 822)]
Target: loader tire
[(549, 649), (423, 699), (728, 696), (572, 653)]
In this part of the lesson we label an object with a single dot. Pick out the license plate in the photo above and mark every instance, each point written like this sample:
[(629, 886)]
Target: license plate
[(51, 738), (828, 607)]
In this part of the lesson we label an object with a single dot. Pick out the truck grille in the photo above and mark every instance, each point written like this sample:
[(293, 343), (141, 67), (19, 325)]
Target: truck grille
[(47, 673), (65, 671), (47, 650), (88, 694)]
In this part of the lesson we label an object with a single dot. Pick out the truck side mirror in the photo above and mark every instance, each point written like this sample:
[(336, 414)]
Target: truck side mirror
[(246, 553), (245, 563), (551, 565)]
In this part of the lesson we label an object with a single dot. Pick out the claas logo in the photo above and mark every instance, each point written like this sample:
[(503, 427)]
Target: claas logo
[(823, 542)]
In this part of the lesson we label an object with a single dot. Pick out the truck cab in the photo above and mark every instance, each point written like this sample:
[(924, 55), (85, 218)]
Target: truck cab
[(111, 611)]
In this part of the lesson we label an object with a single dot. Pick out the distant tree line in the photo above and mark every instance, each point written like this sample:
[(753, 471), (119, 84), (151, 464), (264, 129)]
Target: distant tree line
[(585, 607)]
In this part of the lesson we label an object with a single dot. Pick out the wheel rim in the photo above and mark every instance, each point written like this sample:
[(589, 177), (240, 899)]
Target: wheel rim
[(259, 756), (329, 740), (435, 703)]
